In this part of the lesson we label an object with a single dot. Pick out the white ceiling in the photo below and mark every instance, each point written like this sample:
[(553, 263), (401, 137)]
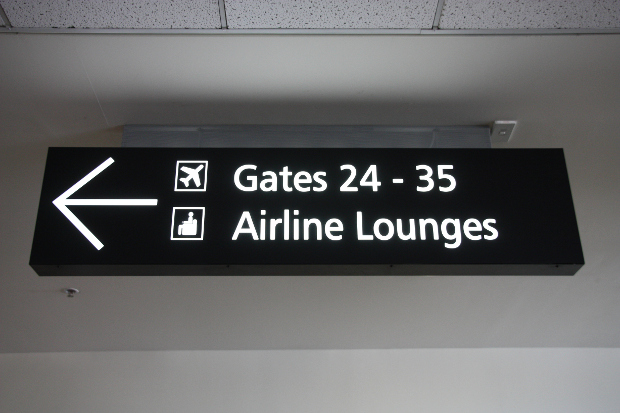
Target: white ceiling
[(331, 14), (530, 14), (312, 14), (113, 14)]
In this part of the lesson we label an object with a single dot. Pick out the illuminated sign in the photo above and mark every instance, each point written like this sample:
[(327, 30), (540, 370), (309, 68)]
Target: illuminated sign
[(130, 211)]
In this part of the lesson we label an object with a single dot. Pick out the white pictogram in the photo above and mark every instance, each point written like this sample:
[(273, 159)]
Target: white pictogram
[(191, 176), (189, 227), (187, 223), (62, 201)]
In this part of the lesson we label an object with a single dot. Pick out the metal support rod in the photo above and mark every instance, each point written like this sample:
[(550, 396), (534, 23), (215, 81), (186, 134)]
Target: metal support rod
[(223, 20), (3, 16), (438, 12)]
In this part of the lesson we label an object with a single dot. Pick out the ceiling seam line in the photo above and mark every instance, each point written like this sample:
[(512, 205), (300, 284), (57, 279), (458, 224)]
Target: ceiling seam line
[(94, 92), (438, 12), (223, 19), (5, 18), (316, 32)]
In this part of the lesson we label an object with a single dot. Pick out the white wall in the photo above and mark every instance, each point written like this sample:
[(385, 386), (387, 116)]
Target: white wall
[(433, 380)]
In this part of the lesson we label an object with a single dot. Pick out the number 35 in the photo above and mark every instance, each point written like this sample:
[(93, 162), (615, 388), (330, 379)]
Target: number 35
[(440, 175)]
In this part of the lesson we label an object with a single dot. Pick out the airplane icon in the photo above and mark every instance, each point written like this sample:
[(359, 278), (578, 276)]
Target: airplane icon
[(191, 174)]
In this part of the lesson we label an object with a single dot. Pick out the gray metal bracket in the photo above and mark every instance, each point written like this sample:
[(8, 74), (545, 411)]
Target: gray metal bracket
[(305, 136)]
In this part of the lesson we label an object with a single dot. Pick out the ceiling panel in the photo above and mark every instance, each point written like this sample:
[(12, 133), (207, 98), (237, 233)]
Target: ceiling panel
[(121, 14), (330, 14), (528, 14)]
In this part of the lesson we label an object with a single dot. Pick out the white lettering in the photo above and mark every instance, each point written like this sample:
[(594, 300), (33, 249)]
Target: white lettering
[(321, 182), (423, 223), (377, 226), (302, 177), (272, 227), (272, 180), (317, 223), (301, 181), (245, 218), (470, 226), (399, 229), (333, 225), (455, 236), (383, 229), (286, 224), (494, 234), (252, 179), (285, 174), (262, 225), (296, 226), (360, 231)]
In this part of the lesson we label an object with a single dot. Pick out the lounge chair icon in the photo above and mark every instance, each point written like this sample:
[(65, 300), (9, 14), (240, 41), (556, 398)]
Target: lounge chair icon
[(189, 227)]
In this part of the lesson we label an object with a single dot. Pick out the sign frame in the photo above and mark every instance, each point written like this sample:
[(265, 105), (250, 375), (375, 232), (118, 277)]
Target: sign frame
[(328, 190)]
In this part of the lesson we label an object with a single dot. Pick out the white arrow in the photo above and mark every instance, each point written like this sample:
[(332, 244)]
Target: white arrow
[(61, 202)]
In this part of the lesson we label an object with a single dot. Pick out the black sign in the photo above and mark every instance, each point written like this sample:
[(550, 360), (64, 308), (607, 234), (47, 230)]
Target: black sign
[(129, 211)]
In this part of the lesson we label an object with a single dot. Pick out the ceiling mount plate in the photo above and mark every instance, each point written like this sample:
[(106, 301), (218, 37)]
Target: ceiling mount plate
[(501, 131)]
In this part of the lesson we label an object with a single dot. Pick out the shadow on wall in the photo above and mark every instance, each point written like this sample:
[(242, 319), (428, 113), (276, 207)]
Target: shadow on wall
[(96, 138)]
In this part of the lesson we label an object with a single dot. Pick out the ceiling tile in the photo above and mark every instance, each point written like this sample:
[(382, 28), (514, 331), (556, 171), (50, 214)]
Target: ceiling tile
[(120, 14), (330, 14), (528, 14)]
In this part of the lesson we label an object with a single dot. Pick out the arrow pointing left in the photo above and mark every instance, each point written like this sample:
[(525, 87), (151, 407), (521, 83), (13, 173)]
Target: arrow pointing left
[(61, 202)]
